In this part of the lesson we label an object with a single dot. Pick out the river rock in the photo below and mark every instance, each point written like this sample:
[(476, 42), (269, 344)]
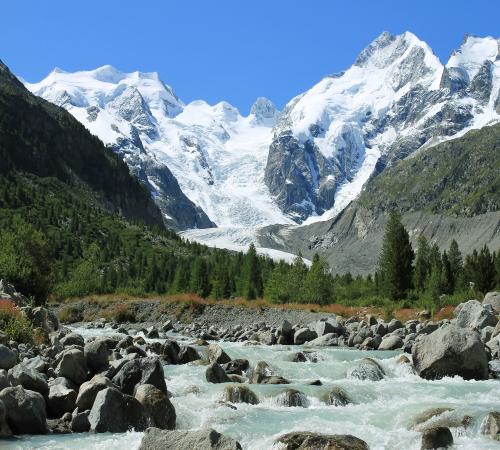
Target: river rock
[(217, 354), (327, 340), (337, 397), (188, 354), (450, 351), (303, 335), (208, 439), (4, 379), (28, 378), (5, 430), (493, 299), (491, 426), (366, 369), (89, 390), (170, 351), (474, 315), (394, 325), (72, 339), (80, 422), (157, 405), (96, 354), (240, 394), (304, 440), (236, 366), (215, 374), (292, 397), (329, 326), (8, 357), (436, 438), (42, 318), (37, 363), (60, 400), (391, 343), (72, 365), (266, 337), (25, 410), (140, 371), (115, 412)]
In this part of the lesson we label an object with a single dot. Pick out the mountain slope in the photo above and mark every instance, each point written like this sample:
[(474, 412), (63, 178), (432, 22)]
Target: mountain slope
[(450, 191), (395, 99), (42, 139)]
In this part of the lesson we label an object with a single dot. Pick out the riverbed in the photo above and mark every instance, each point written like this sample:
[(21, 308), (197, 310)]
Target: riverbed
[(382, 412)]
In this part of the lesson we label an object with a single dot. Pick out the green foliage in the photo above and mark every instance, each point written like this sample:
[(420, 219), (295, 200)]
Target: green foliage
[(19, 329)]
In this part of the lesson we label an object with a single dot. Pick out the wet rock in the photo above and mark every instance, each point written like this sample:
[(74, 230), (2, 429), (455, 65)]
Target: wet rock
[(494, 367), (170, 351), (391, 343), (403, 359), (240, 394), (72, 339), (329, 326), (5, 430), (208, 439), (157, 405), (313, 441), (72, 365), (60, 400), (89, 390), (450, 351), (274, 379), (4, 380), (59, 426), (436, 438), (292, 398), (236, 366), (337, 397), (140, 371), (394, 325), (167, 326), (303, 335), (217, 354), (327, 340), (37, 363), (25, 410), (8, 357), (152, 333), (115, 412), (80, 422), (493, 299), (366, 369), (188, 354), (474, 315), (265, 337), (96, 354), (215, 374), (491, 426), (21, 375)]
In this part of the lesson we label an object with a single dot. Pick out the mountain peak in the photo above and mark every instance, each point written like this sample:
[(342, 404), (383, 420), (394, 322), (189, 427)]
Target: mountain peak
[(263, 110)]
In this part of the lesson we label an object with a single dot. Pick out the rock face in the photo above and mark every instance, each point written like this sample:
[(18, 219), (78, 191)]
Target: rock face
[(157, 405), (436, 438), (140, 371), (115, 412), (313, 441), (25, 410), (155, 439), (475, 315), (450, 351)]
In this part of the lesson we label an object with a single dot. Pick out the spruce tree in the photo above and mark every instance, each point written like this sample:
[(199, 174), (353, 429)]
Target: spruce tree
[(396, 258), (251, 276), (456, 266), (318, 282), (422, 267)]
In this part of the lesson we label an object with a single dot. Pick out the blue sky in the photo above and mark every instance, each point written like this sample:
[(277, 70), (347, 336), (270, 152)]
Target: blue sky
[(226, 50)]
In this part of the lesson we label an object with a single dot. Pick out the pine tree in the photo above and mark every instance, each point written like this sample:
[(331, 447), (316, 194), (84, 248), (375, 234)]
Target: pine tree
[(395, 263), (198, 283), (422, 266), (251, 277), (317, 284), (456, 266)]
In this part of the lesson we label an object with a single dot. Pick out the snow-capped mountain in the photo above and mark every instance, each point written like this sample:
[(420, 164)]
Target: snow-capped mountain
[(395, 99), (208, 165)]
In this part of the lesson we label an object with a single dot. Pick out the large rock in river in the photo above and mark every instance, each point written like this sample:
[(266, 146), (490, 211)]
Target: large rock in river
[(366, 369), (25, 410), (314, 441), (156, 439), (436, 438), (157, 405), (474, 315), (450, 351), (140, 371)]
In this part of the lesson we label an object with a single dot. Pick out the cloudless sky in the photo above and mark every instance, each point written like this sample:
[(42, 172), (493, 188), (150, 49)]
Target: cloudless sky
[(226, 50)]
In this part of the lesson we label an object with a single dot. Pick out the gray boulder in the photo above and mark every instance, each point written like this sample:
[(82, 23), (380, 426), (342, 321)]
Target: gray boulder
[(28, 378), (292, 398), (208, 439), (303, 335), (96, 354), (88, 391), (450, 351), (42, 318), (436, 438), (394, 325), (474, 315), (305, 440), (60, 400), (337, 397), (266, 337), (366, 369), (80, 422), (322, 327), (72, 339), (326, 340), (115, 412), (5, 430), (236, 393), (157, 405), (8, 357), (140, 371), (4, 379), (391, 343), (72, 365), (215, 374), (217, 354), (25, 410), (491, 426), (493, 299), (188, 354)]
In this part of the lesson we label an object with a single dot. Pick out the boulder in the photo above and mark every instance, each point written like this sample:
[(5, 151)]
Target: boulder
[(394, 325), (5, 430), (37, 363), (8, 292), (4, 379), (188, 354), (60, 400), (167, 326), (72, 339), (236, 366), (207, 439), (436, 438), (474, 315), (25, 410), (157, 405), (326, 340), (140, 371), (240, 394), (305, 440), (170, 351), (42, 318), (366, 369), (266, 337), (303, 335), (491, 426), (494, 367), (72, 365), (80, 422), (493, 299), (96, 354), (337, 397), (215, 374), (115, 412), (89, 390), (217, 354), (28, 378), (292, 397), (450, 351), (391, 343), (8, 357)]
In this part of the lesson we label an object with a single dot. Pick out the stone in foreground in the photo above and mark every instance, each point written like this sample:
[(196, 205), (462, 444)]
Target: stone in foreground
[(491, 426), (435, 438), (25, 410), (313, 441), (209, 439)]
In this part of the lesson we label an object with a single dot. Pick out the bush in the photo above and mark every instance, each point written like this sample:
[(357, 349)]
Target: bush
[(70, 314), (120, 313)]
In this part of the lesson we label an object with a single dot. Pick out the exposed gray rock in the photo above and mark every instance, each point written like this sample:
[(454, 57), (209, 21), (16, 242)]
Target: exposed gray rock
[(60, 400), (208, 439), (394, 325), (366, 369), (240, 394), (436, 438), (304, 440), (96, 354), (391, 343), (72, 365), (303, 335), (42, 318), (292, 397), (80, 422), (215, 374), (217, 354), (25, 410), (327, 340), (157, 405), (493, 299), (450, 351), (4, 379), (8, 357), (491, 426), (337, 397), (28, 378), (89, 390), (140, 371), (188, 354), (474, 315), (72, 339)]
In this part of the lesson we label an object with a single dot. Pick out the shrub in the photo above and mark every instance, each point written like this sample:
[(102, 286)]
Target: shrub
[(120, 313), (70, 314)]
